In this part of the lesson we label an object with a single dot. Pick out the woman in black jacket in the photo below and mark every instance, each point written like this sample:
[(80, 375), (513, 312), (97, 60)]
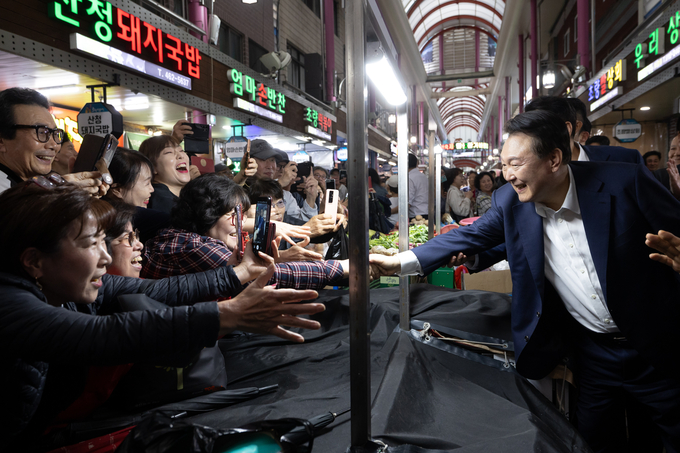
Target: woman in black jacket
[(58, 310)]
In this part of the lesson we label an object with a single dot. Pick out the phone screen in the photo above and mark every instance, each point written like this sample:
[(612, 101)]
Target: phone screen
[(262, 210), (330, 184)]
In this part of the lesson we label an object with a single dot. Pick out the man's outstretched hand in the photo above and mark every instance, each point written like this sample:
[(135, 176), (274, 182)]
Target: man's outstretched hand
[(669, 246)]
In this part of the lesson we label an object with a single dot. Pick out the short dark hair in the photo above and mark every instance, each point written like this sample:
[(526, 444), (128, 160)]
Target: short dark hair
[(579, 109), (31, 216), (375, 177), (262, 187), (547, 132), (335, 170), (599, 139), (559, 106), (587, 126), (204, 200), (412, 161), (124, 213), (320, 168), (126, 166), (451, 174), (152, 147), (650, 154), (17, 96), (479, 177)]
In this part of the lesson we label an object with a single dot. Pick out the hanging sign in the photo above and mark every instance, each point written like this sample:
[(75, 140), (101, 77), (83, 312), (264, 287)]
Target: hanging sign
[(627, 131), (341, 154), (132, 42), (259, 99), (98, 118), (655, 45), (234, 150), (301, 156), (607, 81), (318, 121)]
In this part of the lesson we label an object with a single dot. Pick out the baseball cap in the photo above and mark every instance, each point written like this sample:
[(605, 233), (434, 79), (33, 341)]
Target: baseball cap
[(282, 157), (393, 181), (262, 150)]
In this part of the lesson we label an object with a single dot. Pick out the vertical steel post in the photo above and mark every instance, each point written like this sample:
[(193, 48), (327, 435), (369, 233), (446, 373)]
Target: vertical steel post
[(593, 51), (520, 57), (534, 51), (329, 28), (402, 160), (431, 214), (583, 11), (507, 112), (357, 145), (441, 58), (438, 191), (500, 121)]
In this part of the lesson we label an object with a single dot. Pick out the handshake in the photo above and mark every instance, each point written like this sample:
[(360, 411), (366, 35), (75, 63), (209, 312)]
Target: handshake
[(380, 265)]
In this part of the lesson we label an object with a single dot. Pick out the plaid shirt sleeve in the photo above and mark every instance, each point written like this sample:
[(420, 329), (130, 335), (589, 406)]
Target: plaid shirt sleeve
[(307, 274)]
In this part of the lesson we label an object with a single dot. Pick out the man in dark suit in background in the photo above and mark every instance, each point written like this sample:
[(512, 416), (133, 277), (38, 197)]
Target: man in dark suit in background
[(574, 232)]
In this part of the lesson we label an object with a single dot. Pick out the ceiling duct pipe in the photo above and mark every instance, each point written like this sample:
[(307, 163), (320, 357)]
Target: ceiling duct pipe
[(462, 76)]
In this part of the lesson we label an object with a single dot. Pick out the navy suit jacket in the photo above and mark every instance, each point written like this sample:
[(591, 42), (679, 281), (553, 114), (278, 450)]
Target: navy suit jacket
[(613, 154), (620, 203)]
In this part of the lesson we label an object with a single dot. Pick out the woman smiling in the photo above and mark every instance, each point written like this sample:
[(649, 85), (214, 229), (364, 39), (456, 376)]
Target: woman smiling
[(171, 170), (58, 306)]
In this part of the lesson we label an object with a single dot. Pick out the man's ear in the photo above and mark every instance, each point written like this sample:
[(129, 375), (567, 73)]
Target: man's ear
[(31, 260), (555, 159), (570, 127)]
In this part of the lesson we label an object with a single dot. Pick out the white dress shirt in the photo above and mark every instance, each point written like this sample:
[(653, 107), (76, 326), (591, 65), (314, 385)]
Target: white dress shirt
[(568, 265), (582, 156)]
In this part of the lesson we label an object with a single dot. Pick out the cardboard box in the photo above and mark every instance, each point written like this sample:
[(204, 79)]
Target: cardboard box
[(496, 281)]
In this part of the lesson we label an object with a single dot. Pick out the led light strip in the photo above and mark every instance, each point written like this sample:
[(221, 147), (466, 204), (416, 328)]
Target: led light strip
[(252, 108)]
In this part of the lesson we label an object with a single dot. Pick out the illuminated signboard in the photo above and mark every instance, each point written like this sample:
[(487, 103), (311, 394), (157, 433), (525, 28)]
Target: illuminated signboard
[(656, 46), (70, 126), (618, 91), (341, 154), (98, 49), (122, 31), (256, 109), (318, 121), (318, 132), (607, 81), (262, 97), (466, 145)]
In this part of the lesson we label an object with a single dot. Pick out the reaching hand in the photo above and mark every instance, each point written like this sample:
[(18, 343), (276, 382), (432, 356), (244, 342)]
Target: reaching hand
[(89, 181), (180, 129), (321, 224), (263, 309), (194, 172), (299, 253), (251, 169), (288, 231), (457, 260), (289, 174), (383, 265), (669, 245)]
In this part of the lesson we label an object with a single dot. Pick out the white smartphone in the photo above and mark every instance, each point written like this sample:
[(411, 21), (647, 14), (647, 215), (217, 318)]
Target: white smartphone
[(332, 203)]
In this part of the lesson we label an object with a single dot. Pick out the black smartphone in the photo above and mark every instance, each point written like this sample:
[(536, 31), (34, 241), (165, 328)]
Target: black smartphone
[(240, 243), (261, 230), (330, 184), (198, 142), (304, 169), (93, 148)]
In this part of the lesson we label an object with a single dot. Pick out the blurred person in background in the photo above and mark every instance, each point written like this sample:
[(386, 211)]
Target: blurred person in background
[(598, 140), (471, 177), (485, 184), (418, 194), (342, 189), (458, 203), (66, 157), (652, 160), (392, 185)]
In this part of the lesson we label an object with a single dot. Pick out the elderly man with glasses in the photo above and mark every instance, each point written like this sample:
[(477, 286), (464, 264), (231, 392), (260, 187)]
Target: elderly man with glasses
[(30, 140)]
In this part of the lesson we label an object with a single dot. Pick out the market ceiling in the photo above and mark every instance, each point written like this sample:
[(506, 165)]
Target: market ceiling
[(430, 19)]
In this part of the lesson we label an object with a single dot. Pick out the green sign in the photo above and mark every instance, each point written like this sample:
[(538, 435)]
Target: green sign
[(244, 85), (318, 120)]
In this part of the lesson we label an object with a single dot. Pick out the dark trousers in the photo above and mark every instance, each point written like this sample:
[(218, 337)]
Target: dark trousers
[(610, 374)]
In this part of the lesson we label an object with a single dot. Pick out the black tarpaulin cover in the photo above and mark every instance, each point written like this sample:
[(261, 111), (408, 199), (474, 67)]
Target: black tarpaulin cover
[(428, 396)]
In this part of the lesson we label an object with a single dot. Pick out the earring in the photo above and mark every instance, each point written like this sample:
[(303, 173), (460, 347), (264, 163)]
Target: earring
[(37, 283)]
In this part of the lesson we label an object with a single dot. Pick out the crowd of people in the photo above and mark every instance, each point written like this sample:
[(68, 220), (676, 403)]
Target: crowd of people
[(73, 244)]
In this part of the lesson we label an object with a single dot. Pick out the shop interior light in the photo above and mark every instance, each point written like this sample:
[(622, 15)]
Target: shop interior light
[(63, 89), (438, 149), (392, 119), (646, 107), (413, 139), (384, 78), (495, 151), (249, 2), (392, 163), (549, 78), (490, 157), (382, 159), (318, 143)]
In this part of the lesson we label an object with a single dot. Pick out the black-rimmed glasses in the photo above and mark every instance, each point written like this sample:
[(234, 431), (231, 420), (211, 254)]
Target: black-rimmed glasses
[(43, 133)]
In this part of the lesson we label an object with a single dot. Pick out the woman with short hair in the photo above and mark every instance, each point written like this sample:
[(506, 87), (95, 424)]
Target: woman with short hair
[(171, 170), (58, 306), (485, 184)]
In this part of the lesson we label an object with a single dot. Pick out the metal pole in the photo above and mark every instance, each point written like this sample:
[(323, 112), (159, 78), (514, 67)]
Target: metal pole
[(534, 51), (438, 191), (521, 73), (583, 12), (593, 55), (402, 160), (431, 186), (357, 145)]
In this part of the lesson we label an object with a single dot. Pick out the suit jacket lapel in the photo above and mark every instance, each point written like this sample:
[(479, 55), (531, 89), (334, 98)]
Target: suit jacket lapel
[(530, 227), (596, 214)]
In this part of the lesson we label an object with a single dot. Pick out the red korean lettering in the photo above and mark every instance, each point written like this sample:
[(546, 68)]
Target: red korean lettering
[(152, 32), (603, 84), (262, 95), (175, 51), (194, 57), (130, 33)]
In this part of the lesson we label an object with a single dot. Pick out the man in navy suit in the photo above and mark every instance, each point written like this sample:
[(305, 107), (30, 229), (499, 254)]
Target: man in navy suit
[(582, 278)]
